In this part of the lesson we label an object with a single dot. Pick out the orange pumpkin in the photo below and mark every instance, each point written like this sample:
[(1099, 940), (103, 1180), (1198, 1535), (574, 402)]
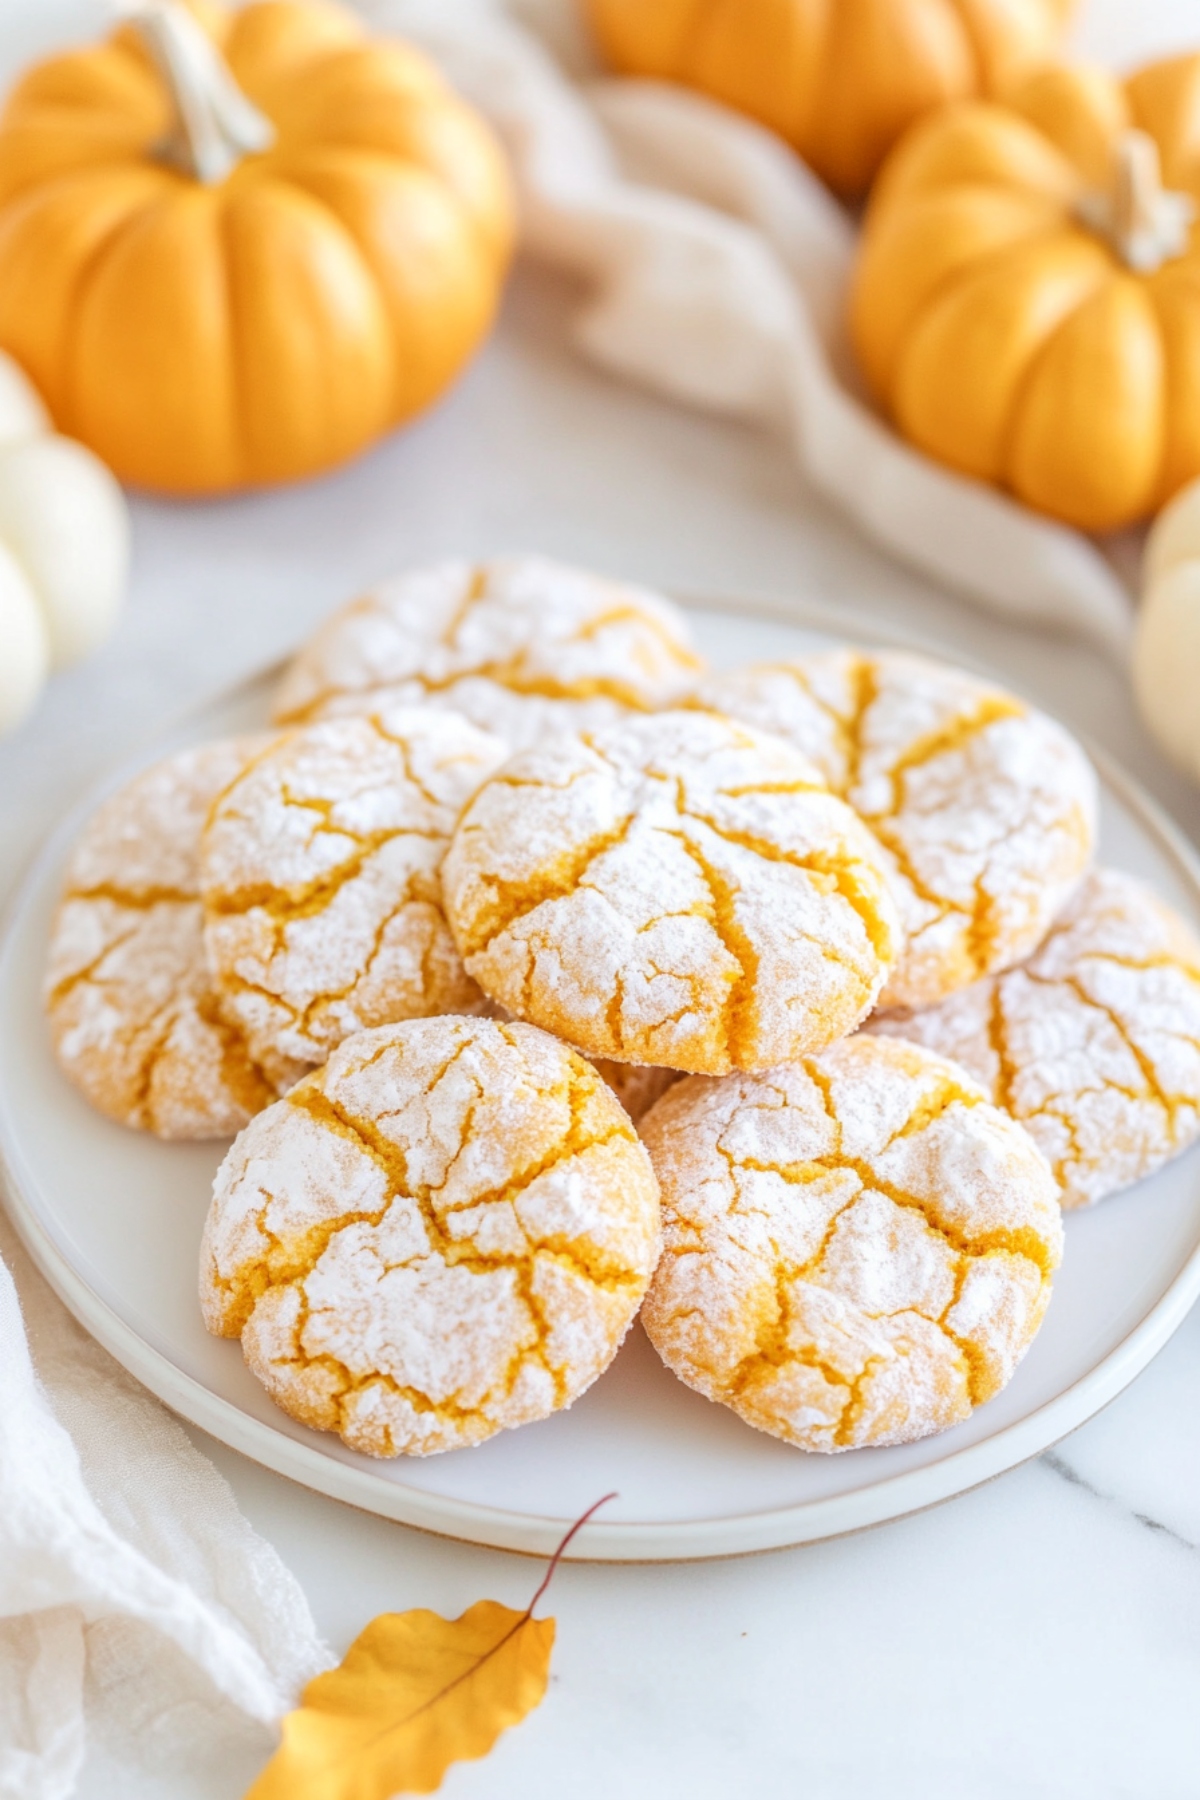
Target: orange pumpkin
[(1026, 304), (839, 79), (227, 272)]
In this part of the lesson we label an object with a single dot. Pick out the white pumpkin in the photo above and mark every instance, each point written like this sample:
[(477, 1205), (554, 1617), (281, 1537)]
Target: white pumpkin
[(64, 547), (1166, 655)]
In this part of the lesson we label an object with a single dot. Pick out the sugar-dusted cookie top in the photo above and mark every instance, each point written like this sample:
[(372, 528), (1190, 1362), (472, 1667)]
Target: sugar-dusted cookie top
[(986, 808), (858, 1249), (320, 877), (1093, 1044), (520, 645), (445, 1231), (133, 1013), (675, 890)]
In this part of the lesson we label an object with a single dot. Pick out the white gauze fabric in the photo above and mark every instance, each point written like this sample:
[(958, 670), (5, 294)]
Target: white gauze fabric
[(717, 267), (133, 1593)]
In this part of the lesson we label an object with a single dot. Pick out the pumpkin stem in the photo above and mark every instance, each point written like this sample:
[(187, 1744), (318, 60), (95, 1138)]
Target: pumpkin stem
[(214, 124), (1146, 224)]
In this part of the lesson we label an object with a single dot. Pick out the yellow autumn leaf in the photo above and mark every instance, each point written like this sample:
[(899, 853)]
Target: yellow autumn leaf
[(414, 1693)]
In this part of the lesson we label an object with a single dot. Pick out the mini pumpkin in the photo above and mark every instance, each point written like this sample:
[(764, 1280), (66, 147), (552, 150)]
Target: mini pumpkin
[(1026, 304), (1166, 653), (64, 548), (236, 247), (839, 79)]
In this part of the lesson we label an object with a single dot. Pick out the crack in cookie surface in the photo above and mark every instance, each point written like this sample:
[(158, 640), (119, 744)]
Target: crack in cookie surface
[(321, 879), (522, 646), (858, 1249), (135, 1019), (445, 1231), (676, 891), (985, 808), (1093, 1043)]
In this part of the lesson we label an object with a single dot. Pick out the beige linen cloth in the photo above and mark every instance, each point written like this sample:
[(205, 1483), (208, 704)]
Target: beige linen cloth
[(132, 1591), (716, 267)]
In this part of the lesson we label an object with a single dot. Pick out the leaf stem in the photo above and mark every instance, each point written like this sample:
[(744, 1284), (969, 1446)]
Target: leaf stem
[(526, 1618), (579, 1524)]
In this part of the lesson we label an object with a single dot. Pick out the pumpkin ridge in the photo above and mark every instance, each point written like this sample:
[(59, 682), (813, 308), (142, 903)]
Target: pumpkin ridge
[(343, 225), (997, 61), (329, 88), (102, 148), (1161, 97), (116, 431), (237, 353), (687, 34), (400, 405), (715, 30), (37, 92), (697, 25), (86, 277), (866, 44), (1086, 518), (899, 244), (352, 154), (342, 123), (249, 431), (1023, 383), (987, 271), (1164, 422), (1015, 158), (258, 64), (967, 272), (59, 394), (1177, 463), (636, 38)]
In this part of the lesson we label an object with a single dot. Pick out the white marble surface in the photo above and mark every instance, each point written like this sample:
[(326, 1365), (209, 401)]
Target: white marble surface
[(1040, 1637)]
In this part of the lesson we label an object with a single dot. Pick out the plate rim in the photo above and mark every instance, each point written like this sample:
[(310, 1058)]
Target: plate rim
[(619, 1541)]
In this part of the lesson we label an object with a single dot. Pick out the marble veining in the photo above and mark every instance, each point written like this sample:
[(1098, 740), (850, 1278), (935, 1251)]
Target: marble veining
[(1059, 1466)]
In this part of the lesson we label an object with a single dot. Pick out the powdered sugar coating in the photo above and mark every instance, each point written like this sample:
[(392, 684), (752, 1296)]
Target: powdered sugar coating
[(520, 645), (986, 808), (320, 874), (676, 890), (858, 1249), (1093, 1044), (133, 1012), (445, 1231)]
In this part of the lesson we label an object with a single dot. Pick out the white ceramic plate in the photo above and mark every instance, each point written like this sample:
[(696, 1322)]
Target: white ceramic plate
[(113, 1219)]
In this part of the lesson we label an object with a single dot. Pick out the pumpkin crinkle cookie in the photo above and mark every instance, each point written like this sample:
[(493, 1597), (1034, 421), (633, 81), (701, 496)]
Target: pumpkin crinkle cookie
[(445, 1231), (678, 890), (1093, 1044), (320, 879), (986, 809), (133, 1012), (858, 1249), (520, 645)]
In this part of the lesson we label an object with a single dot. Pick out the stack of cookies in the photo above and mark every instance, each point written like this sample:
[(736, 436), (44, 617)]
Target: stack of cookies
[(548, 980)]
